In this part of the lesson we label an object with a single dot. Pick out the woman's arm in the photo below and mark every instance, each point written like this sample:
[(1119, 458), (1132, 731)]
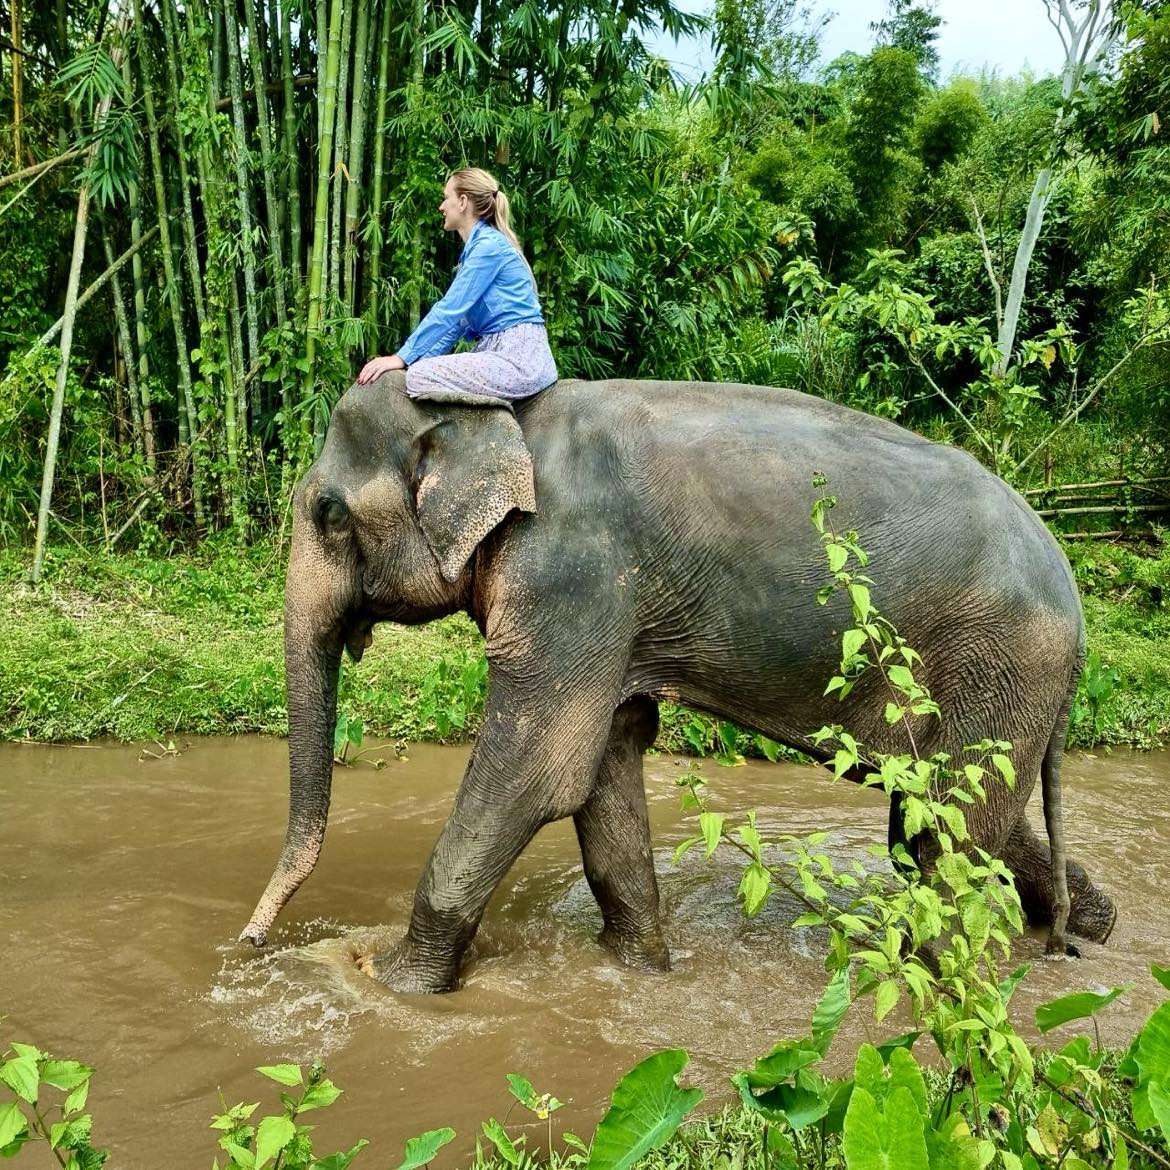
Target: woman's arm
[(442, 327)]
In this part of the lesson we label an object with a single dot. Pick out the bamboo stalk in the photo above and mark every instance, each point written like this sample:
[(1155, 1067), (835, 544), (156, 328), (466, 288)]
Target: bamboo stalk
[(1103, 509), (322, 65), (171, 290), (80, 227), (140, 331), (320, 210), (190, 251), (374, 268), (123, 326), (271, 206), (417, 73), (292, 171), (357, 141), (1103, 483), (17, 82), (248, 255), (340, 150), (38, 169)]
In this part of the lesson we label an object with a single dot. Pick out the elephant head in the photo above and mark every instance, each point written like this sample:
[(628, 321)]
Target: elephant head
[(385, 527)]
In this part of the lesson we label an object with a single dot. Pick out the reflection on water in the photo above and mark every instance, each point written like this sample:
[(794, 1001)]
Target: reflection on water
[(125, 882)]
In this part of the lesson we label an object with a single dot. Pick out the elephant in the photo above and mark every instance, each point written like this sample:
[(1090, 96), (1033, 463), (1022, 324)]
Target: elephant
[(628, 541)]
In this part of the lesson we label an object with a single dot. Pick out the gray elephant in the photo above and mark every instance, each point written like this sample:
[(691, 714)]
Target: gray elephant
[(627, 541)]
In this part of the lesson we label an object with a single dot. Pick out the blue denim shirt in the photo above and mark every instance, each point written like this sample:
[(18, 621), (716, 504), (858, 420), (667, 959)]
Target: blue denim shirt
[(491, 292)]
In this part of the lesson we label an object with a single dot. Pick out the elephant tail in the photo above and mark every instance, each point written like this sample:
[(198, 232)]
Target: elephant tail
[(1050, 790)]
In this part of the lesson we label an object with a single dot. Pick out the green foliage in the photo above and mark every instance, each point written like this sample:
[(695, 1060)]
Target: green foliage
[(33, 1080), (279, 1140), (999, 406), (646, 1109), (1001, 1103), (422, 1149), (964, 908)]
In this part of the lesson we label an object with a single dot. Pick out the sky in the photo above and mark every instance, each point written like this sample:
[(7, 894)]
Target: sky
[(1004, 35)]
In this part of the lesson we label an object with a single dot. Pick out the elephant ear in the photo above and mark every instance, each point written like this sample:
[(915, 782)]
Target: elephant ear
[(472, 468)]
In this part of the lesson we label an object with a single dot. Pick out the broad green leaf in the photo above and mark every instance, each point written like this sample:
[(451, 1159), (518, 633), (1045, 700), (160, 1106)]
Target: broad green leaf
[(647, 1107), (859, 596), (272, 1135), (837, 555), (1161, 974), (1006, 768), (319, 1096), (282, 1074), (12, 1123), (879, 1080), (1120, 1154), (1078, 1006), (1007, 987), (711, 826), (976, 918), (889, 1139), (422, 1149), (793, 1105), (754, 887), (907, 1040), (71, 1134), (20, 1075), (340, 1161), (887, 997), (522, 1089), (952, 1146), (1158, 1094), (498, 1136), (851, 641), (1051, 1130), (241, 1156), (781, 1064), (64, 1074), (830, 1010)]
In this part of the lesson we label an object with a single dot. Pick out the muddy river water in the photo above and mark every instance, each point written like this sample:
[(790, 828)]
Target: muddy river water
[(124, 879)]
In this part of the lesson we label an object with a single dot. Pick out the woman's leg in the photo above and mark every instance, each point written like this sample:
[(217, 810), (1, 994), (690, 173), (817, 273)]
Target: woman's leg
[(514, 364)]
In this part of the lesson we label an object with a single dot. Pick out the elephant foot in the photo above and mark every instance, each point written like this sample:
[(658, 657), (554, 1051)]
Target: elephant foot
[(402, 970), (1093, 915), (643, 952)]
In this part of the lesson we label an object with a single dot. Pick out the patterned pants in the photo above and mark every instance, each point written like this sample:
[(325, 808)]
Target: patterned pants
[(514, 364)]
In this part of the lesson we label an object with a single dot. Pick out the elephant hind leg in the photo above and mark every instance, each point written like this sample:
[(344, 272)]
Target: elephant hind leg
[(614, 832), (1092, 913)]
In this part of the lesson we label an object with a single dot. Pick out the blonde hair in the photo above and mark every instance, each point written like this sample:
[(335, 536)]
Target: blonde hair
[(490, 204)]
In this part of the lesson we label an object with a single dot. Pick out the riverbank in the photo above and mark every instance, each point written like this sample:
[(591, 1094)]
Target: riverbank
[(140, 648)]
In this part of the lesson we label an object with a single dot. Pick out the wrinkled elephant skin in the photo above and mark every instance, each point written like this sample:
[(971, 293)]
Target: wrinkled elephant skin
[(623, 542)]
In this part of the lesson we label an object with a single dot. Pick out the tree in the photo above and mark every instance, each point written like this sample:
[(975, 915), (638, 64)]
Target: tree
[(1087, 41), (913, 27)]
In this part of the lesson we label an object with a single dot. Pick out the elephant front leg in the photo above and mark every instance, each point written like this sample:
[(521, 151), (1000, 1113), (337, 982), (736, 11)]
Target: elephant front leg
[(614, 832), (530, 766)]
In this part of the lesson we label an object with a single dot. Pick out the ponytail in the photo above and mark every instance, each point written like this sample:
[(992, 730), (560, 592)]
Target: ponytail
[(491, 205)]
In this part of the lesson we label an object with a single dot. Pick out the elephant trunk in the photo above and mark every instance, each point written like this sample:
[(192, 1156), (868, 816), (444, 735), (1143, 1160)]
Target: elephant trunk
[(312, 649)]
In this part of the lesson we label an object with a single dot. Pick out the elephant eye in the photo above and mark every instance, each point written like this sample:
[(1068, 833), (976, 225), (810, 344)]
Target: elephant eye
[(330, 513)]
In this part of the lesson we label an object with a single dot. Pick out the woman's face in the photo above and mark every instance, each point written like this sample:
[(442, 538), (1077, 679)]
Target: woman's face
[(456, 209)]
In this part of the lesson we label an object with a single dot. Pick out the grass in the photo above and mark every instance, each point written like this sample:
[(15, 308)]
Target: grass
[(140, 647)]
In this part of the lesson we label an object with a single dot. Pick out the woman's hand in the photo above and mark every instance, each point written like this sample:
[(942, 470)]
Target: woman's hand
[(376, 367)]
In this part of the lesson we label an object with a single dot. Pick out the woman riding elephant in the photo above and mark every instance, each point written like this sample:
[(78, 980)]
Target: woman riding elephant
[(492, 298)]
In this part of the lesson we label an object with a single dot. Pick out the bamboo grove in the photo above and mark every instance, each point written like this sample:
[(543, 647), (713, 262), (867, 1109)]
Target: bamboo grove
[(212, 211), (265, 178)]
